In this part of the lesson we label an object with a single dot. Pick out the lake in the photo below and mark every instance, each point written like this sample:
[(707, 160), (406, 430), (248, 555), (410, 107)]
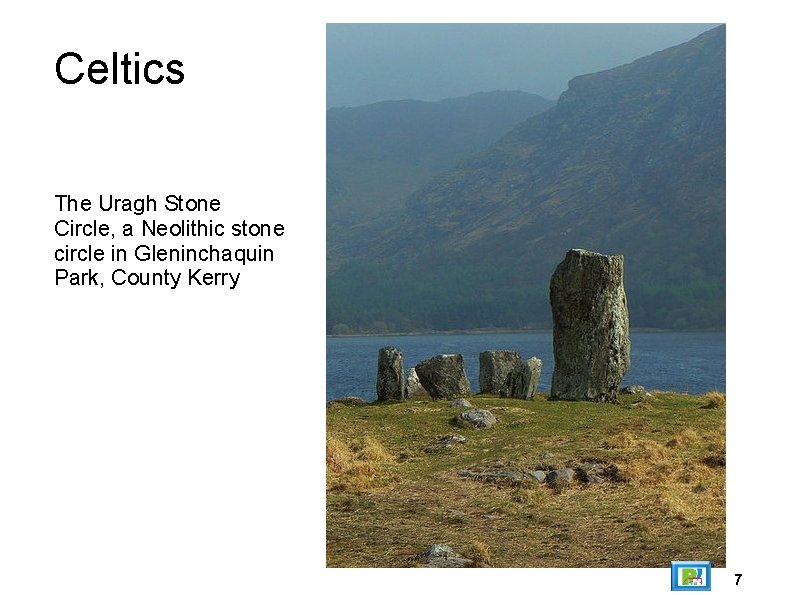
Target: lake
[(683, 362)]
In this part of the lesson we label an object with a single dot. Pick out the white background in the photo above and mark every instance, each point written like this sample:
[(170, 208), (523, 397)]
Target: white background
[(160, 441)]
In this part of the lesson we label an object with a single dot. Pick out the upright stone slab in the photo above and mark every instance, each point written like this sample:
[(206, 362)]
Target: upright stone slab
[(495, 366), (444, 376), (390, 383), (414, 388), (522, 382), (591, 327)]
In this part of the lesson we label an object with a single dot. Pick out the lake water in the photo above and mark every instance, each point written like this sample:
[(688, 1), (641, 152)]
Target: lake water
[(682, 362)]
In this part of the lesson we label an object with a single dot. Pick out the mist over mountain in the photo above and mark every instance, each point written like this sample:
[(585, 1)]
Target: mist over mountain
[(630, 160), (378, 154)]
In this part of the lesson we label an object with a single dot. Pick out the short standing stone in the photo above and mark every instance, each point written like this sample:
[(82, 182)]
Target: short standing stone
[(495, 367), (414, 388), (390, 383), (444, 376), (460, 403), (591, 327), (522, 382)]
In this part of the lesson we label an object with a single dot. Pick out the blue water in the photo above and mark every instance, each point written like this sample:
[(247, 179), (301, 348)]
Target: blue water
[(684, 362)]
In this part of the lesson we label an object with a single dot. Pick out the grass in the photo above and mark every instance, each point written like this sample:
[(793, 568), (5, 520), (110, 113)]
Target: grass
[(715, 400), (356, 465), (388, 499)]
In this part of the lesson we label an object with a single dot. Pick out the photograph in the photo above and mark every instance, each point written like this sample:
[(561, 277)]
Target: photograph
[(526, 295)]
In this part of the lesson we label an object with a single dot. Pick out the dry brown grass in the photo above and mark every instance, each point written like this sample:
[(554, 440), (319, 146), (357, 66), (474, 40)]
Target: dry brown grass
[(531, 494), (481, 554), (714, 400), (624, 439), (685, 439), (356, 465)]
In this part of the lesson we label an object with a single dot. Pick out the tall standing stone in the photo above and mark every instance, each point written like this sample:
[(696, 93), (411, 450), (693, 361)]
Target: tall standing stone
[(444, 376), (522, 382), (591, 327), (495, 366), (390, 382)]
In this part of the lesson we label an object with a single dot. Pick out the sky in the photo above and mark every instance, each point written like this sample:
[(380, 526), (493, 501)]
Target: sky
[(366, 63)]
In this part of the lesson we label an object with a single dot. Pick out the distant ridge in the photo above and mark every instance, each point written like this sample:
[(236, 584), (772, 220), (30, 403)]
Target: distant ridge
[(378, 154)]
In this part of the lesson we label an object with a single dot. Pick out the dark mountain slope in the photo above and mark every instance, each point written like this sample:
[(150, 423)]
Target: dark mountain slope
[(630, 160)]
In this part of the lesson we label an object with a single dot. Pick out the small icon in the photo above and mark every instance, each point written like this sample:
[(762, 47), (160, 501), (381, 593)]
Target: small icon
[(690, 576)]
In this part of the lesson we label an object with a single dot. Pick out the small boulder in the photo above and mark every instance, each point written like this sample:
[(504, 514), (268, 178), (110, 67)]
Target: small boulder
[(451, 440), (444, 376), (390, 382), (442, 556), (495, 367), (446, 443), (460, 403), (539, 475), (633, 389), (475, 418), (560, 476), (594, 472)]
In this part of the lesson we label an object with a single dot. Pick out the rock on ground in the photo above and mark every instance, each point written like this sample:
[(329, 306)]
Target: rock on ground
[(504, 476), (633, 389), (591, 327), (414, 388), (444, 376), (390, 382), (495, 367), (460, 403), (560, 476), (475, 418), (442, 556), (446, 443)]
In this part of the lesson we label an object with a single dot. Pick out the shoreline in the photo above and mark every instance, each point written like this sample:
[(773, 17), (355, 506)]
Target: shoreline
[(489, 331)]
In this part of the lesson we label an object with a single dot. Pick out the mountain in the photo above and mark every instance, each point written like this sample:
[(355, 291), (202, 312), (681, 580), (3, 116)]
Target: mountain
[(378, 154), (630, 160)]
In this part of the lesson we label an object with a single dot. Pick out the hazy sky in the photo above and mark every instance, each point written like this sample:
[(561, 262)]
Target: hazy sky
[(368, 63)]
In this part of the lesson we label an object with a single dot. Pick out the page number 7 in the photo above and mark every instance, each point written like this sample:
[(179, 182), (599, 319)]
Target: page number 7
[(738, 577)]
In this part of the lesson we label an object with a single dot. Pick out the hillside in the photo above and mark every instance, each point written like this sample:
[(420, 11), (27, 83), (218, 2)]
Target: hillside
[(630, 161), (378, 154)]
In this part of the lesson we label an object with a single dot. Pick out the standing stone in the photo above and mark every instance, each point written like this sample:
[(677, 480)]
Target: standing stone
[(390, 383), (414, 388), (591, 327), (444, 376), (495, 366), (522, 382)]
